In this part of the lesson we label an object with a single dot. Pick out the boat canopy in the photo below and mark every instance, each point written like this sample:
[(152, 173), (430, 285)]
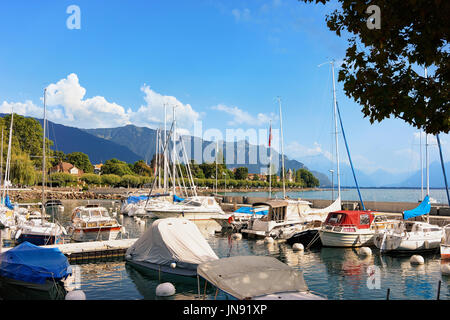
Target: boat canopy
[(359, 219), (171, 240), (251, 210), (34, 264), (134, 199), (277, 209), (8, 203), (177, 198), (423, 208), (246, 277)]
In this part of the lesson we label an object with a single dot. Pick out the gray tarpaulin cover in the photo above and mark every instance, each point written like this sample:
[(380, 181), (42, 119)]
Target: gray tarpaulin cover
[(252, 276), (171, 240)]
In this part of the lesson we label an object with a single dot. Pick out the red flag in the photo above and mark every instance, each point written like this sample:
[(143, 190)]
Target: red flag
[(270, 135)]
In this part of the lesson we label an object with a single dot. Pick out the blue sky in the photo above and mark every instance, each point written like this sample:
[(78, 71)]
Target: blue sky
[(222, 62)]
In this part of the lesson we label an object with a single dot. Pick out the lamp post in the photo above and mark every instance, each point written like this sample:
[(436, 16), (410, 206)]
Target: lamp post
[(332, 184), (225, 182)]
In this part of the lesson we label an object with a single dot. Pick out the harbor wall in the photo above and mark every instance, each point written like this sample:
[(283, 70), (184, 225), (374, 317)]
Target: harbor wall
[(229, 202)]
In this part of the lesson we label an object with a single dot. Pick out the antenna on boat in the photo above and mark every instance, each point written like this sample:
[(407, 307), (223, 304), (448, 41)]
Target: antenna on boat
[(282, 150)]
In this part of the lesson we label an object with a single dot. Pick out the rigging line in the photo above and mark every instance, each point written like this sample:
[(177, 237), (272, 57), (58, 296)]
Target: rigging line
[(443, 168), (349, 157)]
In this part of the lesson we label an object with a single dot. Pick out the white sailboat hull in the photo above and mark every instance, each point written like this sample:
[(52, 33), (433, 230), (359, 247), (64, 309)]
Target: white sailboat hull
[(408, 241), (346, 239)]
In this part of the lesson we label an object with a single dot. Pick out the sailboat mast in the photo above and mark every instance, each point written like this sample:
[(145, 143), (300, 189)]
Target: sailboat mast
[(43, 158), (282, 150), (8, 157), (217, 151), (336, 131), (1, 163), (270, 161), (421, 163), (165, 152), (174, 152), (443, 168)]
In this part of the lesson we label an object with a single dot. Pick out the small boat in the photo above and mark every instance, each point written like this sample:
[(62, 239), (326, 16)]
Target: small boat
[(410, 236), (239, 218), (347, 228), (309, 236), (29, 268), (192, 208), (255, 278), (171, 245), (445, 245), (38, 231), (54, 207), (93, 223)]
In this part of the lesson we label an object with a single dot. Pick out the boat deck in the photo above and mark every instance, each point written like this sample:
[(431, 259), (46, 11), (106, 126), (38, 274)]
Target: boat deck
[(94, 250)]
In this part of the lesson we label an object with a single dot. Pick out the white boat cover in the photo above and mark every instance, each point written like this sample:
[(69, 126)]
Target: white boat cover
[(323, 213), (252, 276), (171, 240)]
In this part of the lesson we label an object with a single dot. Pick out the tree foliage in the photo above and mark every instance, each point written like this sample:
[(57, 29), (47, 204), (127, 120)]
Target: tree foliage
[(117, 167), (22, 170), (241, 173), (81, 161), (142, 169), (378, 70)]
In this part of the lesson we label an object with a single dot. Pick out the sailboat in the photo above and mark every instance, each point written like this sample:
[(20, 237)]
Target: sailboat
[(409, 235), (40, 231)]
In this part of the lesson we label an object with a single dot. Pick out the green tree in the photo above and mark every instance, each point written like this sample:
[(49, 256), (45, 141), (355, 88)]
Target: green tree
[(22, 170), (129, 180), (378, 70), (81, 161), (241, 173), (306, 178), (142, 169), (91, 178), (117, 167), (62, 179), (110, 179), (57, 157)]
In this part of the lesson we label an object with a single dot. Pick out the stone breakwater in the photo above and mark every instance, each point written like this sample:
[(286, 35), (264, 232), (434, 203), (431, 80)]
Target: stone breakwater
[(36, 195)]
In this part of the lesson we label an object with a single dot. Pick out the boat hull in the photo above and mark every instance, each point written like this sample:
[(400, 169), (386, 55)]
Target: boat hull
[(305, 237), (193, 216), (39, 240), (445, 251), (144, 266), (345, 239), (95, 234), (397, 243)]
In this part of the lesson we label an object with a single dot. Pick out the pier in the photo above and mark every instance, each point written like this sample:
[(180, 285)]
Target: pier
[(88, 251)]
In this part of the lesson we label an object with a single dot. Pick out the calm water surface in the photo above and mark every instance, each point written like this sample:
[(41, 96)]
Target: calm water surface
[(335, 273)]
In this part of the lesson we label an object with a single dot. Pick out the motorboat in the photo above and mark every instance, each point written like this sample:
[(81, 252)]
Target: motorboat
[(192, 208), (239, 218), (255, 278), (346, 228), (54, 207), (31, 268), (409, 235), (93, 223), (171, 245), (445, 245)]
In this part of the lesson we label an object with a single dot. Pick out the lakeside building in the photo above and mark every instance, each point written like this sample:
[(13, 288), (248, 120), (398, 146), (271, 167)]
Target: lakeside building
[(66, 167)]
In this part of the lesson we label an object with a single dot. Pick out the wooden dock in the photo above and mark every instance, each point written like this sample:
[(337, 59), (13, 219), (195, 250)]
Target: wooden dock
[(80, 252)]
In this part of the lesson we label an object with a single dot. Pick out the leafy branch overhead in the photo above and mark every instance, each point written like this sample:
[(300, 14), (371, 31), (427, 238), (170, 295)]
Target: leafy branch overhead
[(379, 67)]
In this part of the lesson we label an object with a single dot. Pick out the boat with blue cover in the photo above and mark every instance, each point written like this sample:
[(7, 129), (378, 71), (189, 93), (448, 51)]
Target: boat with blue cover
[(33, 269)]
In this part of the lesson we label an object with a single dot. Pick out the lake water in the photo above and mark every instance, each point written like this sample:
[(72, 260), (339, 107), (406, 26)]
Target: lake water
[(388, 195), (336, 273)]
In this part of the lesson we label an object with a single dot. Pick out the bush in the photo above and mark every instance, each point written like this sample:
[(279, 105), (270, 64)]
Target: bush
[(91, 178), (63, 179), (110, 179), (129, 180)]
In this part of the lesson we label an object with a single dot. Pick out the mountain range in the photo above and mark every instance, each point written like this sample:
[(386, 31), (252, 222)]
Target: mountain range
[(131, 143)]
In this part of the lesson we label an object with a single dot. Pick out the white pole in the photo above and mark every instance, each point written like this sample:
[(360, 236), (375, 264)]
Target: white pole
[(282, 150), (426, 153), (165, 151), (270, 163), (1, 162), (336, 132), (43, 159), (217, 150), (8, 156), (421, 163), (174, 152)]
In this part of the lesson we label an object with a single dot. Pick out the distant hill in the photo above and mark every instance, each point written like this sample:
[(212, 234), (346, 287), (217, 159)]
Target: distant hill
[(70, 139)]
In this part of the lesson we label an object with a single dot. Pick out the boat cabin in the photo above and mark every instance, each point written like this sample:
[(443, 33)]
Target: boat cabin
[(349, 219), (277, 210)]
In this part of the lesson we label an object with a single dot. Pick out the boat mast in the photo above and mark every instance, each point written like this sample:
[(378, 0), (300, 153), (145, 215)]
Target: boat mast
[(217, 150), (1, 162), (8, 157), (443, 167), (174, 152), (165, 151), (336, 130), (282, 150), (43, 160), (421, 163), (270, 161)]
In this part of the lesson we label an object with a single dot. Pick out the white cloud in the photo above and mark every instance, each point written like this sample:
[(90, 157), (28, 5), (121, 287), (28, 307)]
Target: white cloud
[(153, 111), (241, 14), (67, 105), (296, 150), (243, 117)]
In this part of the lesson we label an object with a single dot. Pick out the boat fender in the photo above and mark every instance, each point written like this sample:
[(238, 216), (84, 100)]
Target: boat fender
[(427, 244), (365, 251), (230, 219), (298, 247), (236, 236), (416, 259), (165, 289), (18, 233), (75, 295), (268, 240), (445, 269)]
